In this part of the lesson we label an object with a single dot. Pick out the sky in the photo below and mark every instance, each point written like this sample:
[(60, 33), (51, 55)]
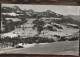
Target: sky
[(65, 10)]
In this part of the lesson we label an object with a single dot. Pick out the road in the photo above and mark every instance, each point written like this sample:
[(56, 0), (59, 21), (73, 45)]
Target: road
[(59, 48)]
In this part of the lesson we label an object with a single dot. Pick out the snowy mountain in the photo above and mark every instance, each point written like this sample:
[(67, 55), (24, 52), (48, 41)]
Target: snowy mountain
[(56, 24), (50, 14), (25, 23), (11, 17), (75, 17)]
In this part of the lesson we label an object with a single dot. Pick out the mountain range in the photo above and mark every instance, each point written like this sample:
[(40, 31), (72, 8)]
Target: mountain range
[(75, 17), (12, 15)]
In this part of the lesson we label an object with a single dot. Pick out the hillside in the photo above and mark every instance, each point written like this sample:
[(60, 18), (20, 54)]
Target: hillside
[(11, 17), (75, 17), (28, 23), (50, 14), (27, 31)]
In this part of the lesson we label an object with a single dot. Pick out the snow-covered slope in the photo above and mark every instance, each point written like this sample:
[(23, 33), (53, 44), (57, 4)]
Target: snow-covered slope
[(9, 16), (54, 23)]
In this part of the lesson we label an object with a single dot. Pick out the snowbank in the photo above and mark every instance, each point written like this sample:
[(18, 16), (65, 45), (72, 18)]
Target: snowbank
[(9, 35), (11, 14)]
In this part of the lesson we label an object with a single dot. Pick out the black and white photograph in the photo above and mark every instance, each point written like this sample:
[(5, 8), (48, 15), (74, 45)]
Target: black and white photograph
[(39, 29)]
